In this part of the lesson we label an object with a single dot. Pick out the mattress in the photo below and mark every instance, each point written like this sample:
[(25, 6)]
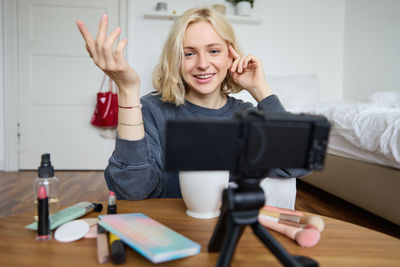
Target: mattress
[(339, 146)]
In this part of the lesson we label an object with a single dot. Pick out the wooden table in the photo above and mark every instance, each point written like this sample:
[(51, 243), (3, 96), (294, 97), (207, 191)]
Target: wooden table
[(341, 244)]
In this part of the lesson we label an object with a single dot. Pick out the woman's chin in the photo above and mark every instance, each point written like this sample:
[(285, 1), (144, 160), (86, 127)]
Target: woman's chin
[(203, 90)]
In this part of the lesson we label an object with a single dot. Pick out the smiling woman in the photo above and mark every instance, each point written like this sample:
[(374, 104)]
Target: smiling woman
[(194, 27), (205, 65), (199, 66)]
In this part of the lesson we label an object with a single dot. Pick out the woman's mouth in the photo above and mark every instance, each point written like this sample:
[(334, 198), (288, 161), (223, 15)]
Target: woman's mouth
[(204, 78)]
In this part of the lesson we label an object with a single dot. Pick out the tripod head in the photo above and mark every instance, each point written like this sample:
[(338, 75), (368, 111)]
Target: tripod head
[(248, 145)]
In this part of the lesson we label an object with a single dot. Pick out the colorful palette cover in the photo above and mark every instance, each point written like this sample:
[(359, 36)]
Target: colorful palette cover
[(153, 240)]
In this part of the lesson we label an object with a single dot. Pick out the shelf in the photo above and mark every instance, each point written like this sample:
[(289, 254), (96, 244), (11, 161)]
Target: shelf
[(231, 18), (160, 15), (243, 19)]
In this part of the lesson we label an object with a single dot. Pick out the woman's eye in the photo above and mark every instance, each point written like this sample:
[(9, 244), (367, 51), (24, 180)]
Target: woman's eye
[(214, 51), (189, 54)]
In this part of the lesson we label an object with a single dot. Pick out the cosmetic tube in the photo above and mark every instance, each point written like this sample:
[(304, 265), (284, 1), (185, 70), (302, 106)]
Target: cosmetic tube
[(117, 249), (111, 204), (102, 246), (69, 214)]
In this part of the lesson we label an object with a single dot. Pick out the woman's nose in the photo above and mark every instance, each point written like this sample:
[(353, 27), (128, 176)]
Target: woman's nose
[(203, 61)]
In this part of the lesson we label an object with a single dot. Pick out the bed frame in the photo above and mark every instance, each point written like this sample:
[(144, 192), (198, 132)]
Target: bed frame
[(373, 187)]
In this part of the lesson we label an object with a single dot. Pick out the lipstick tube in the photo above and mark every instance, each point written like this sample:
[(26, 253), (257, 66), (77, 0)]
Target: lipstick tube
[(111, 205), (43, 231)]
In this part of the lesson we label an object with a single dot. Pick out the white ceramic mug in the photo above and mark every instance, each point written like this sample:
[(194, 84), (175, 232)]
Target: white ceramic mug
[(202, 192)]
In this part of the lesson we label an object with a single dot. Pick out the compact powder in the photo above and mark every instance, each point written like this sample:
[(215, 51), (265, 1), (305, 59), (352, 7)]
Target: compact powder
[(71, 231)]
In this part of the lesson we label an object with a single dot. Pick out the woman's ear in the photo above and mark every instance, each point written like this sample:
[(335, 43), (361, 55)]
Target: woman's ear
[(230, 58)]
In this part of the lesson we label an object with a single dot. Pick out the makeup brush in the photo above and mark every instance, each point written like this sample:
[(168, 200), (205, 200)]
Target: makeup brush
[(305, 237), (289, 217), (282, 210)]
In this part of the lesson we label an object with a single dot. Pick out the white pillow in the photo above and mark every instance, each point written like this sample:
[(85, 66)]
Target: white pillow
[(386, 99), (296, 92)]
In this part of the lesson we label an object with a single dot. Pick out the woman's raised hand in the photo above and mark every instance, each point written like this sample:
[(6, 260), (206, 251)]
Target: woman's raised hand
[(113, 63), (248, 72)]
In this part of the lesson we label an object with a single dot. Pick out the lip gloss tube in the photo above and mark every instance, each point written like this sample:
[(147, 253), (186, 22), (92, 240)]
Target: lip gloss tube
[(43, 231)]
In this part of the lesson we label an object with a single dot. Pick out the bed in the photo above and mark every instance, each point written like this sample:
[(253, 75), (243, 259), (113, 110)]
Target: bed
[(363, 161)]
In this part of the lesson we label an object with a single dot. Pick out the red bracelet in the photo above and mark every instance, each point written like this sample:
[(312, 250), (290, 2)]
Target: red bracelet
[(130, 107)]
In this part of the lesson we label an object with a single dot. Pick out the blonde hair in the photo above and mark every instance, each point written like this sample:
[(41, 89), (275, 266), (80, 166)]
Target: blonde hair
[(167, 78)]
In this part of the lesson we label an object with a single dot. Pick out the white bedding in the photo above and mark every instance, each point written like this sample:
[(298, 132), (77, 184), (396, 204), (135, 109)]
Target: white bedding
[(371, 126)]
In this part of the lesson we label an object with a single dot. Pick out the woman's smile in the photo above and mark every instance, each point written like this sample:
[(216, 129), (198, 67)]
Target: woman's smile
[(204, 78)]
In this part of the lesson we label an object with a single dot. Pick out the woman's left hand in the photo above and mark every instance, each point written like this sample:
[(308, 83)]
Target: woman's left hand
[(248, 72)]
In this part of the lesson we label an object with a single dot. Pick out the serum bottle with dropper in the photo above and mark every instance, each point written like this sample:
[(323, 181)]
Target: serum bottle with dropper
[(50, 182)]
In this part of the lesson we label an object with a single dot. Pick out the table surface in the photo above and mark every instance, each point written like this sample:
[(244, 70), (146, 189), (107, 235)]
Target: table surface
[(341, 244)]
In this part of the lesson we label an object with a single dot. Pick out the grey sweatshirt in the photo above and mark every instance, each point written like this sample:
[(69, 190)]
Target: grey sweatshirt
[(135, 169)]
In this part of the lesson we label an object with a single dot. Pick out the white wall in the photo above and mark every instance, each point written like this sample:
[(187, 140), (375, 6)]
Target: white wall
[(1, 90), (295, 37), (372, 48), (353, 45)]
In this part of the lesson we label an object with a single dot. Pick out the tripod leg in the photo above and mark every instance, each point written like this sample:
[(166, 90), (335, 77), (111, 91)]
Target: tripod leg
[(234, 231), (219, 233), (283, 256)]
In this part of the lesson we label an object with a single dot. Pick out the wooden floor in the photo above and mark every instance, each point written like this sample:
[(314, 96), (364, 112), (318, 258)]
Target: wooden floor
[(16, 196)]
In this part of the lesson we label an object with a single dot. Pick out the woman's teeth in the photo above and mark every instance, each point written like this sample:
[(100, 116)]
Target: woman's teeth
[(203, 76)]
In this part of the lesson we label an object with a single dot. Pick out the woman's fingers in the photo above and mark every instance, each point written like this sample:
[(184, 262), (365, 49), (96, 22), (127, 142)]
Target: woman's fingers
[(234, 65), (101, 50), (240, 64), (234, 54), (235, 57), (84, 31), (100, 38), (246, 61), (87, 37), (107, 48), (88, 50), (119, 52), (251, 62), (102, 30)]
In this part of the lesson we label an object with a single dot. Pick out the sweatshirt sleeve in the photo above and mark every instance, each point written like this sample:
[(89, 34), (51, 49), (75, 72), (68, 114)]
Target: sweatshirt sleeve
[(130, 173), (134, 169), (273, 104)]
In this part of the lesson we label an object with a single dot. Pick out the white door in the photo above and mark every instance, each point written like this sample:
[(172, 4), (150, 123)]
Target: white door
[(57, 83)]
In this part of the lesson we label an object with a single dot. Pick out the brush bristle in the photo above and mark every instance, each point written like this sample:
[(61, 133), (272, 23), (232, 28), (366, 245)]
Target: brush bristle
[(317, 222), (307, 237)]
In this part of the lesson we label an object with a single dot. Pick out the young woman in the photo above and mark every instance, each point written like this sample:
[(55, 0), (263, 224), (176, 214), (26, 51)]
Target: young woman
[(200, 65)]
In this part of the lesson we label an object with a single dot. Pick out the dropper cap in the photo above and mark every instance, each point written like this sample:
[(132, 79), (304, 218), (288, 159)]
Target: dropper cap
[(45, 169)]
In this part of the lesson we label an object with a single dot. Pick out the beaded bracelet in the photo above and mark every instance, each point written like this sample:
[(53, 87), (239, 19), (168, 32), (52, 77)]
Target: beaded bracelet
[(130, 124), (130, 107)]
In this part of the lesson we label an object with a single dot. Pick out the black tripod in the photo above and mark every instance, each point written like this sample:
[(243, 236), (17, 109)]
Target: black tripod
[(240, 207)]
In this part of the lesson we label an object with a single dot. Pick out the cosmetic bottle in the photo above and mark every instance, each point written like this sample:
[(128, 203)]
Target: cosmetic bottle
[(46, 177)]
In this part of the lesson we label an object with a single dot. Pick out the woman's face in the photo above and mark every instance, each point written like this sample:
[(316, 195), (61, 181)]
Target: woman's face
[(206, 59)]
